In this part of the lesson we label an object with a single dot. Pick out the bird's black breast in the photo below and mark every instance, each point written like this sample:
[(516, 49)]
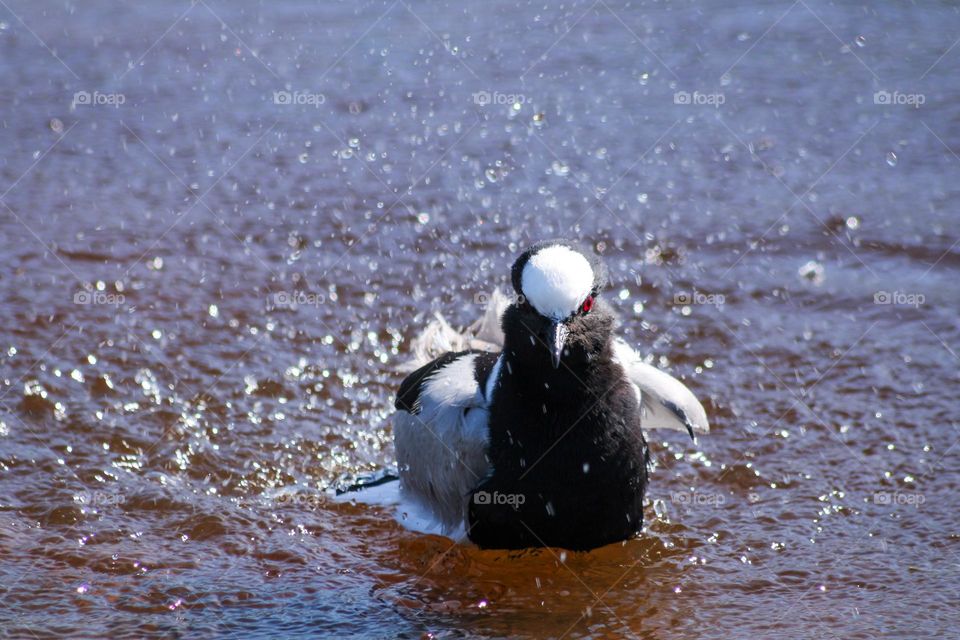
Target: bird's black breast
[(568, 457), (483, 367)]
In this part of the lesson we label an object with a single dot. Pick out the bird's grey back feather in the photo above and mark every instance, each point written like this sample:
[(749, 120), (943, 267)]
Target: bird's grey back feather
[(441, 448)]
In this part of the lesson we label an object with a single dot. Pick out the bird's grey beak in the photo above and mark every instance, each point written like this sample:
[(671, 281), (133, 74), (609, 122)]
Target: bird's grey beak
[(556, 339)]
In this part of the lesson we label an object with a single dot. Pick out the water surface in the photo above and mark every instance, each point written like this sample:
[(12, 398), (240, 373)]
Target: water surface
[(171, 422)]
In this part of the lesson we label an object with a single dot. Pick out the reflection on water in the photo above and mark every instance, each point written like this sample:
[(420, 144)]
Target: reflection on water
[(219, 243)]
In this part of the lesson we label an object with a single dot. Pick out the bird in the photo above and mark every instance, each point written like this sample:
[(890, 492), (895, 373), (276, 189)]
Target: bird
[(530, 431)]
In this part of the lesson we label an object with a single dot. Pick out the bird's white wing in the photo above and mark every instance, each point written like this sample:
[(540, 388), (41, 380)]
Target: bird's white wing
[(441, 431), (666, 402)]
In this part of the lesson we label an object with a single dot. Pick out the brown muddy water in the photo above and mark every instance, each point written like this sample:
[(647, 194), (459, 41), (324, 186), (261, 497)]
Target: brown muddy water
[(222, 223)]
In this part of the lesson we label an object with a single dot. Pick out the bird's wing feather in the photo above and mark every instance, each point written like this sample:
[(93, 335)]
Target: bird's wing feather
[(666, 402), (439, 338), (441, 431)]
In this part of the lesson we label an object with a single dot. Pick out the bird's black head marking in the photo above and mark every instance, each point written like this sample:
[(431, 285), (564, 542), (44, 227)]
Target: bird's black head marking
[(559, 314)]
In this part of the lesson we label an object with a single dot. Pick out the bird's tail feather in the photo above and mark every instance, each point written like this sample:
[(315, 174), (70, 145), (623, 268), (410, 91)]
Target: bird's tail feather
[(439, 337), (487, 328)]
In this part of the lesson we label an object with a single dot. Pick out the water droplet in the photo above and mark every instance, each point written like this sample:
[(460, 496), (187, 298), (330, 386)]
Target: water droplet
[(642, 198), (853, 223), (812, 271), (660, 508), (861, 41), (892, 159), (601, 246), (423, 217), (56, 125), (303, 157), (559, 168)]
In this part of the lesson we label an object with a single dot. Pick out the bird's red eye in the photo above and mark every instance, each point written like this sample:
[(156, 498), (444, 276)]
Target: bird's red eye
[(587, 305)]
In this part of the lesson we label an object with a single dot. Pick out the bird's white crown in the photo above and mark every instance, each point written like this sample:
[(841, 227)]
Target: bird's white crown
[(556, 280)]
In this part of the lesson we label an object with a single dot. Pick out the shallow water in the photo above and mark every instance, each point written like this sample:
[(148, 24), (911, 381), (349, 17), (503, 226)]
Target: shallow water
[(168, 438)]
